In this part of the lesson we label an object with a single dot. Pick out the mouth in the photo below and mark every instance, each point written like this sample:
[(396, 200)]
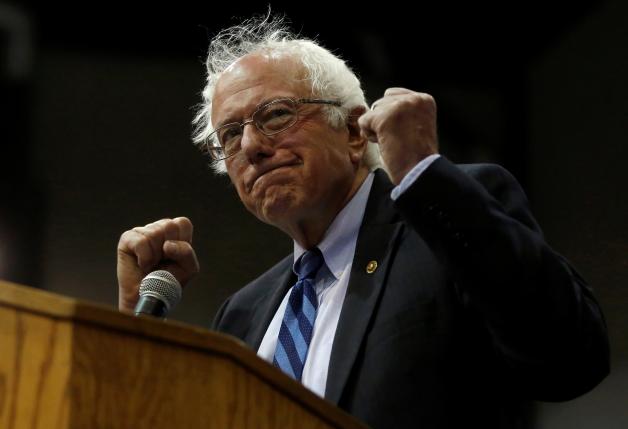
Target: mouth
[(271, 169)]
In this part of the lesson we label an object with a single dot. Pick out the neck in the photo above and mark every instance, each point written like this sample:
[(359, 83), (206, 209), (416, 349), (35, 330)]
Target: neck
[(309, 232)]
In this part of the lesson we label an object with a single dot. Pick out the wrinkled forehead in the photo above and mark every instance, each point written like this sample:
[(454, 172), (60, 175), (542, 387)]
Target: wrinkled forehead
[(255, 78)]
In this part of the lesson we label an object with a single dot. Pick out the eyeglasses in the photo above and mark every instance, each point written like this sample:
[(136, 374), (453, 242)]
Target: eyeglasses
[(270, 118)]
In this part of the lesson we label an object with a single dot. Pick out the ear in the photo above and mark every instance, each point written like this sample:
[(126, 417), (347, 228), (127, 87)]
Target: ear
[(357, 143)]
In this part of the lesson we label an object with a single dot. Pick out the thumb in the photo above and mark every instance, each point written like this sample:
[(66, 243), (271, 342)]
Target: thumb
[(365, 122), (182, 261)]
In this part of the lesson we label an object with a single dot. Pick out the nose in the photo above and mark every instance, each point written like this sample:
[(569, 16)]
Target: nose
[(255, 145)]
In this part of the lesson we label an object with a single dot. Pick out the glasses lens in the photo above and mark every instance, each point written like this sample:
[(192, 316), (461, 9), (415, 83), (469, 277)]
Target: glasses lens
[(214, 150), (276, 116), (229, 137)]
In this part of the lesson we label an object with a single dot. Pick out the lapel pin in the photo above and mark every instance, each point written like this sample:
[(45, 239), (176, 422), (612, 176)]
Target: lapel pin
[(371, 267)]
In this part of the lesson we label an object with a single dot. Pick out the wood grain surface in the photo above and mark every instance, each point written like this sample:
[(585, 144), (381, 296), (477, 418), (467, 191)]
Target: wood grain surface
[(65, 363)]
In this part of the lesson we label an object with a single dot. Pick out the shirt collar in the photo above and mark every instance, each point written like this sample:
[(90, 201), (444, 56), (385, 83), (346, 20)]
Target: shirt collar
[(338, 243)]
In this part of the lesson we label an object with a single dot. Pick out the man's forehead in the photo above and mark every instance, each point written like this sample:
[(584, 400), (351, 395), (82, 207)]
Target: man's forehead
[(260, 68), (255, 78), (264, 60)]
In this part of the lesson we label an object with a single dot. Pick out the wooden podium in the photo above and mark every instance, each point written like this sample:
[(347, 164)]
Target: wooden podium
[(65, 363)]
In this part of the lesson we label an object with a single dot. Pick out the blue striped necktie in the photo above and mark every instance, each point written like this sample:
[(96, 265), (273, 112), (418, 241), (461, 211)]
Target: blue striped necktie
[(296, 329)]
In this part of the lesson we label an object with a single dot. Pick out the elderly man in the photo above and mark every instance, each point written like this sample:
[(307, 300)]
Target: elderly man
[(423, 295)]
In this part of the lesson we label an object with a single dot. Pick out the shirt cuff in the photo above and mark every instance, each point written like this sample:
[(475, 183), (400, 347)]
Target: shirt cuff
[(412, 175)]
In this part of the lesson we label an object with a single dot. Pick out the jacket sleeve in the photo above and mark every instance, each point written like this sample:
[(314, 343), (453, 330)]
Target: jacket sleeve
[(546, 327)]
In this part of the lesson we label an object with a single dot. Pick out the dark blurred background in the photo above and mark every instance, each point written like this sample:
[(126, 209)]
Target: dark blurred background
[(96, 102)]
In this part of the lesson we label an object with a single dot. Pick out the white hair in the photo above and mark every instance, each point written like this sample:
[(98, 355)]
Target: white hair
[(329, 76)]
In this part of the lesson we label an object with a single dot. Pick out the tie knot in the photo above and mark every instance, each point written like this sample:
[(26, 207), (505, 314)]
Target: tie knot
[(309, 263)]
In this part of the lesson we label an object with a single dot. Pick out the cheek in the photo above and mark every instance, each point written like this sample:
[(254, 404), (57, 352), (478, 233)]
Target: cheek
[(235, 173)]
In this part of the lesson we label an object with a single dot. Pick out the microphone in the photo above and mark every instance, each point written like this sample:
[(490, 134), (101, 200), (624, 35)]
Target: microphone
[(159, 293)]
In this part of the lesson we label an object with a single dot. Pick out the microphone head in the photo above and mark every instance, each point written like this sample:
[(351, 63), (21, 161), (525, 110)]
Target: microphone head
[(163, 286)]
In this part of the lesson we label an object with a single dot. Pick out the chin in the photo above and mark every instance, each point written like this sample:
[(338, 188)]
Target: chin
[(279, 205)]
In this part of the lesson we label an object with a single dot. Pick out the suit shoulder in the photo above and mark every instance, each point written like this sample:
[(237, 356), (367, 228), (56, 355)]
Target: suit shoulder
[(265, 283), (504, 187), (487, 170), (495, 178), (245, 300)]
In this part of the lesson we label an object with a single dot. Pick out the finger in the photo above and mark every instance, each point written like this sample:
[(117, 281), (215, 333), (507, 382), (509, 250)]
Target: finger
[(139, 247), (186, 229), (375, 103), (369, 135), (182, 253), (365, 122), (160, 231), (155, 237), (397, 91), (385, 101), (169, 229)]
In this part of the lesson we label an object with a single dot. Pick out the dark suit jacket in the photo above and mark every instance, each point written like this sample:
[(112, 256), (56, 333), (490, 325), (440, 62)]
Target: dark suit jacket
[(468, 317)]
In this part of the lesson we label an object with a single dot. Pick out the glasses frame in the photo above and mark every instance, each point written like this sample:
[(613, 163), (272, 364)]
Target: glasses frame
[(214, 147)]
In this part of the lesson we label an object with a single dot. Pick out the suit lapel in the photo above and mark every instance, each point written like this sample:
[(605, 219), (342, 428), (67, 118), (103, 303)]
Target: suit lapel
[(376, 240), (268, 304)]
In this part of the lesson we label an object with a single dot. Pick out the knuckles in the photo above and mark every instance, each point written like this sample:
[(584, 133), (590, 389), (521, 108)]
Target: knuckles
[(184, 223), (184, 249), (147, 241), (126, 239), (416, 102), (398, 105)]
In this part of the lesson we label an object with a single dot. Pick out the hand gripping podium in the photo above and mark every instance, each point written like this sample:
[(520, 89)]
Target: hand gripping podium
[(67, 364)]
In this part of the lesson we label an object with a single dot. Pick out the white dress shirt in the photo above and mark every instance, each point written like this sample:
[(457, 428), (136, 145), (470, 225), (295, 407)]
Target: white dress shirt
[(338, 249)]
